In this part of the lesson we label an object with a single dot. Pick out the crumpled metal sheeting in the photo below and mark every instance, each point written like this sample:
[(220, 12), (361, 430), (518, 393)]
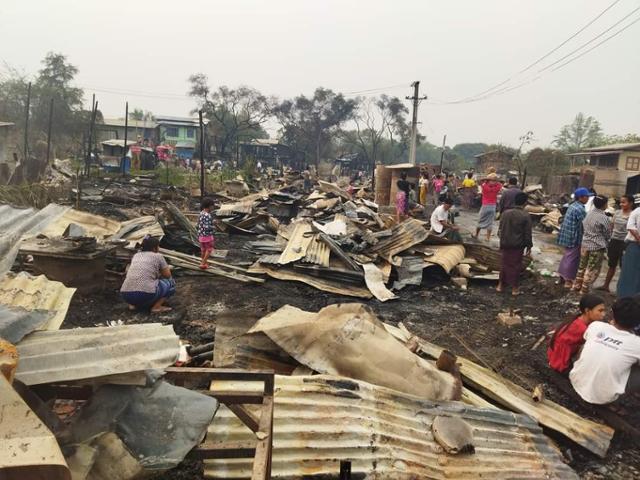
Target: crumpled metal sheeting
[(317, 252), (16, 322), (18, 222), (403, 236), (28, 448), (298, 243), (94, 225), (82, 353), (320, 420), (36, 293)]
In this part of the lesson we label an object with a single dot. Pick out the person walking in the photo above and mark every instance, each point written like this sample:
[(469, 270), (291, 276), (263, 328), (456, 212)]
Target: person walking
[(515, 242), (508, 198), (629, 282), (596, 235), (437, 184), (469, 189), (570, 237), (402, 197), (490, 189), (617, 244)]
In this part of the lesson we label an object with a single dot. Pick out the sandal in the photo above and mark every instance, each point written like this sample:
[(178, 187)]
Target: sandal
[(161, 310)]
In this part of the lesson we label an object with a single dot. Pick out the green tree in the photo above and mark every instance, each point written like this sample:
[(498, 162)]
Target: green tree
[(139, 115), (468, 151), (542, 162), (234, 113), (628, 138), (377, 120), (310, 123), (583, 132)]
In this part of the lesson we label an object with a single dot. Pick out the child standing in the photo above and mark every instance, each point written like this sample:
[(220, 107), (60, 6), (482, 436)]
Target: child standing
[(569, 336), (205, 231)]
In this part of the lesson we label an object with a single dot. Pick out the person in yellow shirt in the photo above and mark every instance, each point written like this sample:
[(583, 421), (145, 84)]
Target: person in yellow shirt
[(470, 188)]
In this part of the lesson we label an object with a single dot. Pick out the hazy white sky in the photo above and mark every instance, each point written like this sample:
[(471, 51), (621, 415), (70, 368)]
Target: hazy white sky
[(143, 52)]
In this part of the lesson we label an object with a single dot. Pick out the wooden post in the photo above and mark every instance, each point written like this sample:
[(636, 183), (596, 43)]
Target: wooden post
[(49, 130), (202, 182), (444, 141), (126, 133), (25, 167)]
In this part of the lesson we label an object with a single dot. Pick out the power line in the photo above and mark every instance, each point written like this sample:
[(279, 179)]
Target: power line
[(539, 75), (546, 55)]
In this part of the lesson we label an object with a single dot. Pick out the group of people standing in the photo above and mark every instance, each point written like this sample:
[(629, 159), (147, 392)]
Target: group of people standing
[(588, 234)]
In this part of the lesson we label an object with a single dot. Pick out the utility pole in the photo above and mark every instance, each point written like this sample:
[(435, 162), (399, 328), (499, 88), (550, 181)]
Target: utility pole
[(444, 142), (49, 130), (126, 132), (414, 121), (202, 183), (25, 167), (93, 121)]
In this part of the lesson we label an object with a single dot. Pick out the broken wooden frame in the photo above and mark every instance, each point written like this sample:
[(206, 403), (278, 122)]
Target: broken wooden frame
[(261, 425)]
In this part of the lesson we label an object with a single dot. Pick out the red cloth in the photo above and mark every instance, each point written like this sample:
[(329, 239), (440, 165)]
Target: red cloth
[(567, 342), (490, 192)]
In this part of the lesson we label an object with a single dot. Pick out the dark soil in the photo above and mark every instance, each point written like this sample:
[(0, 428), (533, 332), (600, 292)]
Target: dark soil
[(436, 311)]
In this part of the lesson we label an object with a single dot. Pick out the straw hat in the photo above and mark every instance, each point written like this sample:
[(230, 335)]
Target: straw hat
[(492, 176)]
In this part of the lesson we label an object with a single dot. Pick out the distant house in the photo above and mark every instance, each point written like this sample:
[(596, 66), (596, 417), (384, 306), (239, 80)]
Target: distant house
[(271, 153), (613, 166), (113, 128), (179, 132), (501, 160)]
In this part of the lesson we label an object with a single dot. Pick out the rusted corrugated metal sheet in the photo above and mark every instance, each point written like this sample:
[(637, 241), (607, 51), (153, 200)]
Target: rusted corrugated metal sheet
[(321, 420), (403, 236), (317, 253), (94, 225), (83, 353), (18, 222), (36, 293)]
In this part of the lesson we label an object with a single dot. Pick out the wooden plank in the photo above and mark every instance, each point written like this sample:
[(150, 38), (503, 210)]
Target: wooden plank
[(262, 459), (213, 271), (211, 450), (593, 436), (246, 416)]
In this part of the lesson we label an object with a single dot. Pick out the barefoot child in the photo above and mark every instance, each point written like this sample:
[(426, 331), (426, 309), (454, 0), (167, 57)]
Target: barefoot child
[(205, 232), (569, 336)]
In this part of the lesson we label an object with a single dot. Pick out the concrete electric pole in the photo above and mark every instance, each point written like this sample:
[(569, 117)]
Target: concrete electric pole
[(414, 122)]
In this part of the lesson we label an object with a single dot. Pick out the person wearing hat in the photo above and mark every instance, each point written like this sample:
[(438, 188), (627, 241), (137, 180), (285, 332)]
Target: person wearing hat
[(570, 237), (490, 188), (629, 282)]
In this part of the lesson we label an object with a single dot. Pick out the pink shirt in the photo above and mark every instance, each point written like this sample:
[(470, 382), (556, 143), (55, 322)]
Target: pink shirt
[(437, 185), (490, 192)]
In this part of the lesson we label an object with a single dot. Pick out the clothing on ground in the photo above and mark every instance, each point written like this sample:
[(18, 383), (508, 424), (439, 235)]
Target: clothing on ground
[(515, 229), (490, 192), (601, 373), (588, 269), (511, 266), (439, 215), (566, 343), (629, 281), (570, 234), (508, 198), (596, 228), (487, 216), (144, 272), (569, 263)]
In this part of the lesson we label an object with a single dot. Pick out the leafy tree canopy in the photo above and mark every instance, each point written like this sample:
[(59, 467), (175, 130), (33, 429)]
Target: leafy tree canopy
[(583, 132)]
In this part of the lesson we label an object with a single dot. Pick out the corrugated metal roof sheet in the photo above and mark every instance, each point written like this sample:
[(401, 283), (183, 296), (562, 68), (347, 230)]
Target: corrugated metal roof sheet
[(403, 236), (36, 293), (29, 449), (317, 252), (18, 222), (83, 353), (320, 420), (94, 225), (298, 243)]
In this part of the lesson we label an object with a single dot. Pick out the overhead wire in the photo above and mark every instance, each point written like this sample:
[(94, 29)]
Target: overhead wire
[(539, 73)]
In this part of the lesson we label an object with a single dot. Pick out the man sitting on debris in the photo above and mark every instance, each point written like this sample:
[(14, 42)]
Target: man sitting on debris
[(148, 282), (440, 224), (515, 241), (608, 366)]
